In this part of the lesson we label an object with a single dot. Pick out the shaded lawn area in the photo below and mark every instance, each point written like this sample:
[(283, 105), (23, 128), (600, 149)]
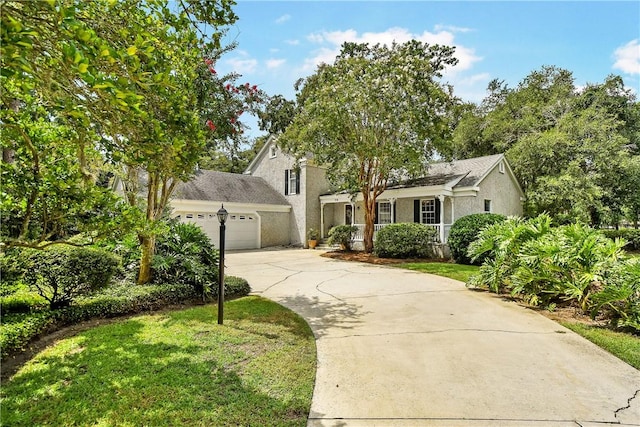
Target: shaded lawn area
[(173, 368), (459, 272)]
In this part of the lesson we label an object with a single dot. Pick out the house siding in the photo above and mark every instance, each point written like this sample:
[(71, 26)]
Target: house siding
[(272, 170), (314, 183), (305, 206), (498, 187), (274, 229)]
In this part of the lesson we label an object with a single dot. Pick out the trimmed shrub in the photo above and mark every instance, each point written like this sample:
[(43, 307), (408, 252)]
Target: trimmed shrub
[(60, 274), (342, 235), (630, 235), (235, 287), (404, 240), (465, 230), (186, 255)]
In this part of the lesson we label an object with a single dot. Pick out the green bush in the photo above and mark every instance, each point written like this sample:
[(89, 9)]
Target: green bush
[(60, 274), (465, 230), (186, 255), (630, 235), (235, 287), (21, 301), (404, 240), (342, 235), (619, 299), (499, 245), (11, 271), (569, 263)]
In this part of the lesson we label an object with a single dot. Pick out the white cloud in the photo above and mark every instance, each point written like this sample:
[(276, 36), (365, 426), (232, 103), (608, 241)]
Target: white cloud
[(332, 40), (292, 42), (283, 19), (452, 28), (628, 58), (275, 63), (242, 63)]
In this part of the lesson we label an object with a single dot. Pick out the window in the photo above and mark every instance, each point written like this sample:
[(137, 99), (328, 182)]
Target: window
[(501, 167), (384, 213), (291, 182), (428, 211), (487, 205), (273, 151)]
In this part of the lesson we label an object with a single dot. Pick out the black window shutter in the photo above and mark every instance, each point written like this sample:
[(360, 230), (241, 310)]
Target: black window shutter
[(375, 218), (437, 202), (298, 182), (416, 211), (393, 212), (286, 181)]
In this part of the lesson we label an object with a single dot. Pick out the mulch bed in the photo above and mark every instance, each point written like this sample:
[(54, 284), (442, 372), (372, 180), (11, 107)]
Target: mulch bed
[(372, 259)]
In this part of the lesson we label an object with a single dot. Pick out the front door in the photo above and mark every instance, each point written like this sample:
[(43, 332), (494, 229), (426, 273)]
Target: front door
[(348, 214)]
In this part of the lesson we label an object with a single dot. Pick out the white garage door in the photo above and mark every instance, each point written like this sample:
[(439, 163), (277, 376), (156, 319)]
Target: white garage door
[(242, 230)]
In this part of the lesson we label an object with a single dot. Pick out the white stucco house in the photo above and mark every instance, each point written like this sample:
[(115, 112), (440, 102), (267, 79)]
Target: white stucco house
[(277, 200)]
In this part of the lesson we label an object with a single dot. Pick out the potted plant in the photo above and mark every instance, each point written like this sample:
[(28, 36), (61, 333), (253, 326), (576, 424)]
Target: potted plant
[(313, 235)]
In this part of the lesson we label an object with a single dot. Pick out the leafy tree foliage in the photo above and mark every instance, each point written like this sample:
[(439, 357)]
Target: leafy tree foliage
[(574, 151), (132, 80), (375, 114)]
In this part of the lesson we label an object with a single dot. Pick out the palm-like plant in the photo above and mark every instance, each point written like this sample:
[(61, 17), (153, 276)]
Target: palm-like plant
[(501, 244), (186, 255)]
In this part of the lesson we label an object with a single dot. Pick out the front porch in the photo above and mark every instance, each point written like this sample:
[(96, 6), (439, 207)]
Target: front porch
[(434, 208), (441, 235)]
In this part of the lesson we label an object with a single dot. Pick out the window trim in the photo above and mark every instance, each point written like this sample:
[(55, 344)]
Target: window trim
[(273, 152), (490, 206), (424, 213), (390, 213), (501, 167), (291, 176)]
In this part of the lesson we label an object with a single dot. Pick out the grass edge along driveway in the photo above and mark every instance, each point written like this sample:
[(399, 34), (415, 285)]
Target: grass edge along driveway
[(173, 368)]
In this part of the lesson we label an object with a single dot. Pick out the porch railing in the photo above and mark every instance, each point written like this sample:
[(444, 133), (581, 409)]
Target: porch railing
[(359, 236)]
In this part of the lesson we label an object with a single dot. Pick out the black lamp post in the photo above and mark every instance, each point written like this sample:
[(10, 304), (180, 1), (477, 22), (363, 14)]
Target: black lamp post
[(222, 217)]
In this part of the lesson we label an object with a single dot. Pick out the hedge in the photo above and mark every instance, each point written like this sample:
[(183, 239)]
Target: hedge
[(19, 329), (404, 240)]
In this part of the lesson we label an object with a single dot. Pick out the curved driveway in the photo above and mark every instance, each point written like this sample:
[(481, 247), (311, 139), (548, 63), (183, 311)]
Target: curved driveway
[(400, 348)]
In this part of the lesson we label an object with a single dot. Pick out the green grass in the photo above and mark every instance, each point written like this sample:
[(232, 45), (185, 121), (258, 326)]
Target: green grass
[(459, 272), (624, 346), (173, 368)]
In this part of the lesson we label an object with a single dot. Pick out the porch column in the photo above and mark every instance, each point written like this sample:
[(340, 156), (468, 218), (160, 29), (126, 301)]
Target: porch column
[(322, 220), (441, 199)]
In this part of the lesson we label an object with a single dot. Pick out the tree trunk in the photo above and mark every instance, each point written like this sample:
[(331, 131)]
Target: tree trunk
[(369, 222), (148, 249)]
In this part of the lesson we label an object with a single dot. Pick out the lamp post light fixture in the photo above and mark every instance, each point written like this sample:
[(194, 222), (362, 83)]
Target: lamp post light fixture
[(222, 218)]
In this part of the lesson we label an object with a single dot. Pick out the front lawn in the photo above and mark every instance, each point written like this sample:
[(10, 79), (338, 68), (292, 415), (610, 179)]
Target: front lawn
[(173, 368), (459, 272)]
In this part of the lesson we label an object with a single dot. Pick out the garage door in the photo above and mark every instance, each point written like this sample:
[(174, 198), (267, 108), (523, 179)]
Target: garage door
[(242, 228)]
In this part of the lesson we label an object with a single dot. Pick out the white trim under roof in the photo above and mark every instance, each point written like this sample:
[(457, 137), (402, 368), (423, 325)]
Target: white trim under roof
[(208, 205)]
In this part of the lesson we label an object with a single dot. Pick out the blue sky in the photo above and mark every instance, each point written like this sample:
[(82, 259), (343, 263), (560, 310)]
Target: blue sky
[(282, 41)]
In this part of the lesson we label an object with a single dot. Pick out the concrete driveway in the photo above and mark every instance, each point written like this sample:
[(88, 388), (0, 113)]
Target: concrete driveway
[(400, 348)]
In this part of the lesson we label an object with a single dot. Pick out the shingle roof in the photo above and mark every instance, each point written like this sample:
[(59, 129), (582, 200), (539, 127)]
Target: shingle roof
[(473, 169), (229, 187), (457, 173)]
